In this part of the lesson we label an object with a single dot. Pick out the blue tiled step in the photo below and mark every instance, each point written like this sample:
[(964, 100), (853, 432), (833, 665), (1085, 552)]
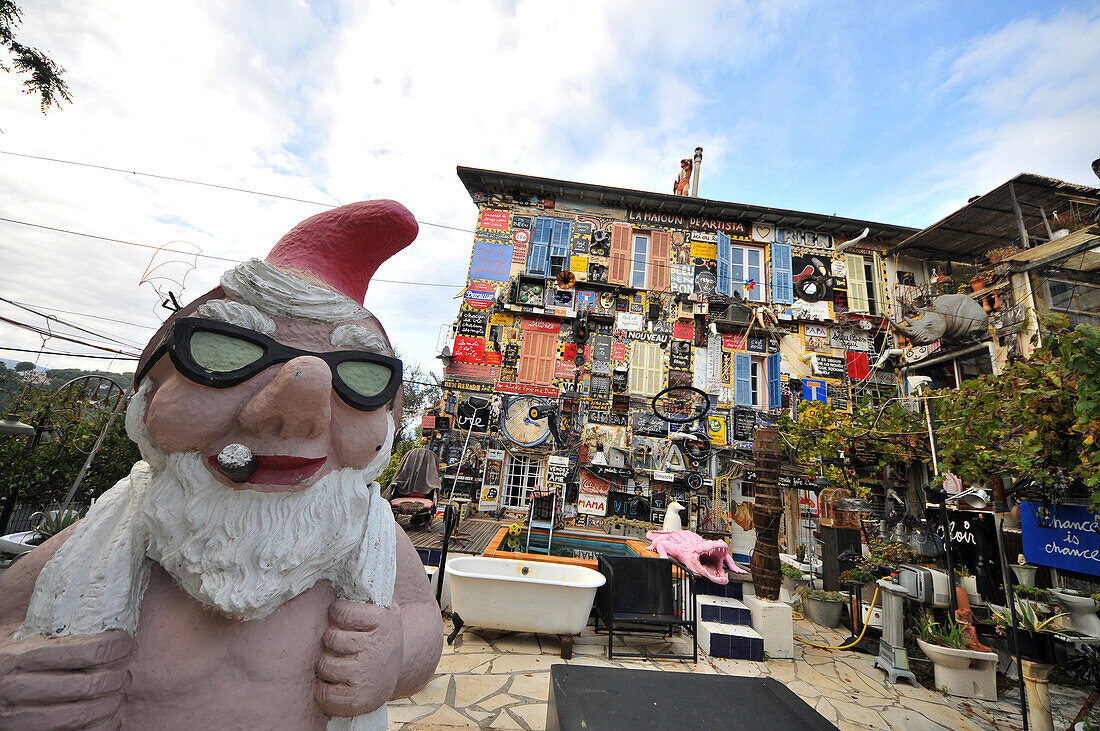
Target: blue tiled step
[(732, 641), (723, 610), (732, 590)]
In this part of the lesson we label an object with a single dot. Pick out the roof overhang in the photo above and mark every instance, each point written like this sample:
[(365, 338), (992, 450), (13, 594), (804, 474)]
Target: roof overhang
[(491, 181), (989, 221)]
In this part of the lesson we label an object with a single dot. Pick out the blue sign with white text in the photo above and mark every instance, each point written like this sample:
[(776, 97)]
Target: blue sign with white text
[(1065, 540)]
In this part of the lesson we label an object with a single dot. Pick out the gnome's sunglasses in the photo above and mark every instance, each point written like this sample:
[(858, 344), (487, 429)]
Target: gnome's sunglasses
[(220, 355)]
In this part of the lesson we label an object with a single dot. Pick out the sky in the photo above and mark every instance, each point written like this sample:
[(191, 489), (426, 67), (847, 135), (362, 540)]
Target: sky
[(892, 112)]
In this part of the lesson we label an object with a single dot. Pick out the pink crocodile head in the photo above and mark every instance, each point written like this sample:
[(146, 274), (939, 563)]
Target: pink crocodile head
[(709, 559)]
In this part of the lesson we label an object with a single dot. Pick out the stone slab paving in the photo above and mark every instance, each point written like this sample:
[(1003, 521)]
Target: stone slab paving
[(493, 679)]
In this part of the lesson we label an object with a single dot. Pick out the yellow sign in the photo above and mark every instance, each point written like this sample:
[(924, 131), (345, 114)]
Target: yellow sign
[(716, 430), (502, 318), (704, 250), (579, 266)]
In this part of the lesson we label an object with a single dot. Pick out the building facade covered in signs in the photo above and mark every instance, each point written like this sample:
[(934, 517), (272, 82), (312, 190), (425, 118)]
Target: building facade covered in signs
[(589, 301)]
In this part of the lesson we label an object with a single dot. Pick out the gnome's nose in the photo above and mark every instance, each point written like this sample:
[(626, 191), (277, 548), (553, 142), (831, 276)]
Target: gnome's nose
[(297, 403)]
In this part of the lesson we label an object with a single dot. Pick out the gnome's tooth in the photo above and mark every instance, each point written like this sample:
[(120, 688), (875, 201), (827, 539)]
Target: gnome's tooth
[(237, 462)]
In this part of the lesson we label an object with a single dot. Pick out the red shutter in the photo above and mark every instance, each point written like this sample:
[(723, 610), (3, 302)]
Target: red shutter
[(660, 259), (857, 365), (536, 358), (619, 269)]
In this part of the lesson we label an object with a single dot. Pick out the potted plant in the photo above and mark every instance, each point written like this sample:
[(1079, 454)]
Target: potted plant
[(1039, 652), (1082, 610), (1025, 572), (1040, 599), (793, 579), (822, 607), (958, 671)]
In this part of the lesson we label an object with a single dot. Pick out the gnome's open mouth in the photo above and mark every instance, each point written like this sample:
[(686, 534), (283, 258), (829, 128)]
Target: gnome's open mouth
[(275, 469)]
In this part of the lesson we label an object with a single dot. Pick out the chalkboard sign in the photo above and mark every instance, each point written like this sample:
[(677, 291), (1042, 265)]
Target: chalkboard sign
[(557, 469), (756, 344), (601, 348), (679, 355), (473, 419), (744, 425), (648, 424), (521, 222), (473, 323), (618, 380), (1065, 540), (832, 367), (625, 505), (838, 394), (599, 387), (511, 355)]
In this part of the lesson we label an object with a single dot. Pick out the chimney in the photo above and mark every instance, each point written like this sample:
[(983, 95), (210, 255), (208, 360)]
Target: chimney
[(695, 175)]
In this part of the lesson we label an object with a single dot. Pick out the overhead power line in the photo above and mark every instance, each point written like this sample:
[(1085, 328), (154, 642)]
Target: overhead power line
[(205, 184), (59, 321), (205, 256), (70, 355), (46, 334), (88, 314)]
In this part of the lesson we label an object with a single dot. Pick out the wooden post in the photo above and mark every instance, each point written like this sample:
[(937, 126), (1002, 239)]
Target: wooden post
[(767, 514)]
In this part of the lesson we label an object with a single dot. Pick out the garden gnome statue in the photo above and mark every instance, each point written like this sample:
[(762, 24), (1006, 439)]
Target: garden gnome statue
[(247, 573)]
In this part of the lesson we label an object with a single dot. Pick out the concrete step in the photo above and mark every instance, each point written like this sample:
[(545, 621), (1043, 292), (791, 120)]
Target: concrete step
[(732, 590), (732, 641), (722, 610)]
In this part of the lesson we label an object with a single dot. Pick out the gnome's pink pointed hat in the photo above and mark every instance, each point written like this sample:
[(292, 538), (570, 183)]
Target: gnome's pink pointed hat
[(339, 250)]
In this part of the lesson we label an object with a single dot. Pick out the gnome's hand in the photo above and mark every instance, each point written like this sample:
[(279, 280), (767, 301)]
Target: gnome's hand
[(64, 682), (360, 662)]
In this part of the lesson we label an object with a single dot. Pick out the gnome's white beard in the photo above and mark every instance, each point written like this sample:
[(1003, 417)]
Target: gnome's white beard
[(247, 552)]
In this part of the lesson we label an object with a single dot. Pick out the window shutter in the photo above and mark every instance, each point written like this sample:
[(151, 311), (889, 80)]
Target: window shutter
[(782, 283), (857, 284), (725, 283), (742, 379), (536, 358), (880, 287), (548, 352), (559, 246), (660, 260), (528, 359), (775, 390), (540, 245), (619, 265), (656, 370)]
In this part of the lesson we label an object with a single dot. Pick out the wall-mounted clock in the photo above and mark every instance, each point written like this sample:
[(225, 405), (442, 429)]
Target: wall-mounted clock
[(518, 425)]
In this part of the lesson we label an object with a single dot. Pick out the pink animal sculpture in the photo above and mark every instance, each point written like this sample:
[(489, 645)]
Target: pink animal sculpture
[(708, 559), (247, 573)]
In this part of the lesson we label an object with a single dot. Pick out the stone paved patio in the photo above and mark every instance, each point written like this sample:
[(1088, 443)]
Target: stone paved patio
[(493, 679)]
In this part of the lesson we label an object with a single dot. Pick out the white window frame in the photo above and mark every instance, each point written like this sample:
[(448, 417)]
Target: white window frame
[(743, 272), (521, 475), (758, 383), (635, 272)]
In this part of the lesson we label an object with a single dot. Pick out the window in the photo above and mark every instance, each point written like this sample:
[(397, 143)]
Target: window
[(866, 290), (640, 261), (782, 279), (619, 261), (738, 265), (521, 476), (647, 375), (1077, 299), (536, 358), (756, 381), (548, 252)]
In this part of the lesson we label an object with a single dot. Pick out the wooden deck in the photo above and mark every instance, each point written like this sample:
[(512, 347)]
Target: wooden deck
[(473, 535)]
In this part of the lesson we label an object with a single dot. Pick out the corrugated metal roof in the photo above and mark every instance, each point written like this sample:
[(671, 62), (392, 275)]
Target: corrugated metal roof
[(491, 181), (989, 222), (1077, 251)]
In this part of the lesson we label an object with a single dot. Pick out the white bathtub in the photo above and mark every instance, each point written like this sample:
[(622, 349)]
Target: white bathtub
[(522, 596)]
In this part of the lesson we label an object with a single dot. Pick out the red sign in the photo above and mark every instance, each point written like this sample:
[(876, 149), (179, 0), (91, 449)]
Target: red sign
[(541, 324), (519, 252), (494, 219), (469, 350), (683, 330), (494, 358), (618, 351), (564, 369), (593, 484), (857, 365), (427, 422), (526, 388), (569, 351), (480, 295), (472, 370), (733, 341)]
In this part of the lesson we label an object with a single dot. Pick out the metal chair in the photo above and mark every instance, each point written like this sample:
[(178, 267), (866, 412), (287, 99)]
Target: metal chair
[(646, 595)]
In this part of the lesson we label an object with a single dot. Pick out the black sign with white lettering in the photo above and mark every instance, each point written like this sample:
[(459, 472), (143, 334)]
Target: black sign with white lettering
[(599, 387), (679, 355), (644, 424), (473, 323), (838, 395), (744, 424), (474, 419), (832, 367), (601, 348), (607, 418), (511, 355), (521, 222), (625, 505), (756, 344)]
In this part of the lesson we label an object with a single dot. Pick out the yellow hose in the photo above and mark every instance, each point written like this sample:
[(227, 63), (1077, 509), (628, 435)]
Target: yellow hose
[(854, 642)]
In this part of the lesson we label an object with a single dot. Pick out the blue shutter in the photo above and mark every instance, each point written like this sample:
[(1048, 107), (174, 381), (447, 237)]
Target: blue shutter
[(742, 379), (775, 391), (559, 245), (782, 284), (725, 283), (540, 245)]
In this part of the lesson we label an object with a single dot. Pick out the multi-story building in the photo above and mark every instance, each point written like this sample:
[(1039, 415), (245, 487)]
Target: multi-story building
[(589, 301)]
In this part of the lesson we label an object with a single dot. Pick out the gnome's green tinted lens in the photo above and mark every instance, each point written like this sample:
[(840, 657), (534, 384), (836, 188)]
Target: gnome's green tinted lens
[(366, 379), (223, 353)]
